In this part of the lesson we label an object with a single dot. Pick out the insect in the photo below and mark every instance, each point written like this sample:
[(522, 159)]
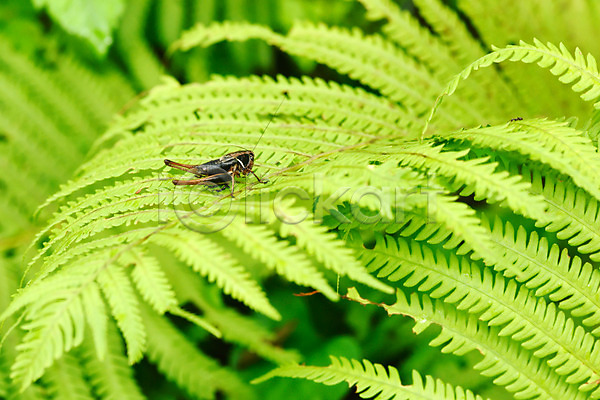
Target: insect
[(223, 170), (220, 171)]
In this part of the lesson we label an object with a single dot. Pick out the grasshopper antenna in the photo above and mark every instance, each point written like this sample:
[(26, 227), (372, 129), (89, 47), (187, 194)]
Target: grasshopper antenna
[(271, 120)]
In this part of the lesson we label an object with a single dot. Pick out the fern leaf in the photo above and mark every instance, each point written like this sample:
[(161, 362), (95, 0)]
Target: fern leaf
[(451, 30), (330, 251), (55, 260), (565, 149), (234, 327), (95, 313), (55, 321), (512, 366), (134, 50), (180, 360), (312, 98), (112, 378), (580, 72), (51, 331), (549, 271), (461, 221), (381, 65), (125, 307), (9, 389), (525, 318), (372, 380), (573, 214), (70, 116), (208, 259), (98, 100), (287, 261), (151, 282), (476, 176), (409, 34), (65, 380)]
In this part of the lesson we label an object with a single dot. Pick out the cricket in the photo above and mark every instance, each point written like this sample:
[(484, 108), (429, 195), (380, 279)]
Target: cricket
[(224, 170), (220, 171)]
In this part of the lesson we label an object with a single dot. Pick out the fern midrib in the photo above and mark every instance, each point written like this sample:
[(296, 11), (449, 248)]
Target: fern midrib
[(353, 378), (581, 221), (532, 321), (548, 157), (561, 143), (482, 343), (490, 183), (562, 278), (547, 54)]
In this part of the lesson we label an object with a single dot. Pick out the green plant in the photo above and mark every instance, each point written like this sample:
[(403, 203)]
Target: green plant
[(479, 212)]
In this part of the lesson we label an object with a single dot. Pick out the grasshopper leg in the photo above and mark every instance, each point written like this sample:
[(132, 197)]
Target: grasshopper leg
[(260, 180), (218, 179), (207, 180), (183, 167)]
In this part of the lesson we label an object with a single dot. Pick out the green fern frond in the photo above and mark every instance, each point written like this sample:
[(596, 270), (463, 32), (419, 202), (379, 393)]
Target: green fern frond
[(83, 231), (151, 282), (373, 380), (207, 258), (58, 259), (309, 97), (370, 60), (180, 360), (451, 30), (111, 378), (439, 53), (234, 327), (96, 318), (134, 50), (491, 92), (511, 365), (475, 176), (49, 95), (410, 35), (99, 99), (65, 380), (124, 305), (573, 213), (61, 315), (580, 72), (565, 149), (121, 224), (549, 271), (9, 388), (148, 146), (461, 221), (523, 317), (286, 260), (331, 252), (40, 107)]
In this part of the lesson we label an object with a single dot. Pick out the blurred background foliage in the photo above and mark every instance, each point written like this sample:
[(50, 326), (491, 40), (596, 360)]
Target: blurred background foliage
[(66, 67)]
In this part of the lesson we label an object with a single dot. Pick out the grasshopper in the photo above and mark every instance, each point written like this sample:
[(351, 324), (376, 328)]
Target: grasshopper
[(220, 171), (223, 170)]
